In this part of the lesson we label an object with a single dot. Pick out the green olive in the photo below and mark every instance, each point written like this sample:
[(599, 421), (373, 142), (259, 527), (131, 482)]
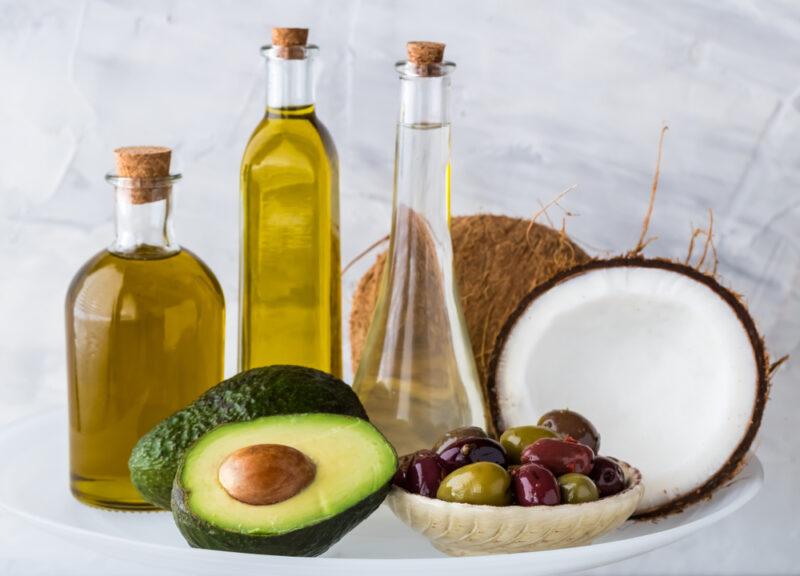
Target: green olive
[(479, 483), (577, 488), (515, 440)]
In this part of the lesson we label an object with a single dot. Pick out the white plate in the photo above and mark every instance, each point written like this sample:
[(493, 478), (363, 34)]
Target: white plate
[(34, 485)]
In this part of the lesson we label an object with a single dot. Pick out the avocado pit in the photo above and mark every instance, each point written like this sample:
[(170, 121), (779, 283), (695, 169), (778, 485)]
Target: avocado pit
[(264, 474)]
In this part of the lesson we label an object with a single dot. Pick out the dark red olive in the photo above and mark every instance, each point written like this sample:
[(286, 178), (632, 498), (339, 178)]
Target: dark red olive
[(401, 475), (535, 485), (608, 476), (559, 456), (425, 473), (458, 434), (470, 450), (569, 423)]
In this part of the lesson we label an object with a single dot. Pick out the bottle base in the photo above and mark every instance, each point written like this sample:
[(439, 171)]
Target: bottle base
[(109, 494)]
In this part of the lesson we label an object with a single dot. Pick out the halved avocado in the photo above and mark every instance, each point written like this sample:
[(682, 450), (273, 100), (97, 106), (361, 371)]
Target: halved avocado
[(264, 391), (319, 475)]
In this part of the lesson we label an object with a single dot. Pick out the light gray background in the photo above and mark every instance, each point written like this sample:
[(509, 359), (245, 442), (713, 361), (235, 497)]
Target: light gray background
[(548, 94)]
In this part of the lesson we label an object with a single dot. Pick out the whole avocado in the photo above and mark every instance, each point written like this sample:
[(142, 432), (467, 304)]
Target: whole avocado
[(265, 391)]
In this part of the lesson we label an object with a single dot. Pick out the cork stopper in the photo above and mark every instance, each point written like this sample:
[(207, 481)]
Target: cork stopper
[(143, 164), (289, 36), (143, 161), (425, 53), (290, 43)]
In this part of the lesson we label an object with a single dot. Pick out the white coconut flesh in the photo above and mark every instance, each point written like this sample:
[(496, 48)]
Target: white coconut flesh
[(661, 364)]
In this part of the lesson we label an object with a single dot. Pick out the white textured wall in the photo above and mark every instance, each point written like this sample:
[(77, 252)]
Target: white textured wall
[(548, 94)]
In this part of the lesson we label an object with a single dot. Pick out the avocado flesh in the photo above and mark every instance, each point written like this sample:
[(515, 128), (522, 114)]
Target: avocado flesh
[(258, 392), (354, 468)]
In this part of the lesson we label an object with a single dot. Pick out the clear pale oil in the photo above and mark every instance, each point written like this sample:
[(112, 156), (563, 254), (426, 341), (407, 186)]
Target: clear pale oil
[(145, 337), (417, 390), (418, 417), (417, 377), (290, 272)]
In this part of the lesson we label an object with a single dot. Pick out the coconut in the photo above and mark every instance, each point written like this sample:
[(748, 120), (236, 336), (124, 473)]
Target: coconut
[(486, 248), (662, 358)]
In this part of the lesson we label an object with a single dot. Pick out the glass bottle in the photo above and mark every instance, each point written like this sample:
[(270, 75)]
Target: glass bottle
[(417, 376), (290, 280), (145, 324)]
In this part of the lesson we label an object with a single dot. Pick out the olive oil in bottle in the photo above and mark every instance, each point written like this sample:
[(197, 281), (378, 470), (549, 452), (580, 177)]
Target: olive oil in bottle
[(417, 376), (145, 333), (290, 310)]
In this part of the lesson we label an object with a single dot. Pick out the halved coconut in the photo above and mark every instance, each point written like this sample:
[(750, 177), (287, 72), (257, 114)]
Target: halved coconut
[(665, 361)]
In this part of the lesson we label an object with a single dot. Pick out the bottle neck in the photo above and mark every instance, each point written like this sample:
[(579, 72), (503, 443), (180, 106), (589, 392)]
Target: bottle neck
[(290, 81), (422, 155), (424, 100), (143, 218)]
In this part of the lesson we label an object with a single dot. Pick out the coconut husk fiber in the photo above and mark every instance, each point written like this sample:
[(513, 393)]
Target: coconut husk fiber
[(497, 260)]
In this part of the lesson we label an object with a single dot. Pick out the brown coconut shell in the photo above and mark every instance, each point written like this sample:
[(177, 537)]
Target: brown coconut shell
[(486, 249), (737, 459)]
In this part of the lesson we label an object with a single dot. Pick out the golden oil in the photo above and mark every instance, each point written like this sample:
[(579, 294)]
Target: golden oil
[(290, 283), (151, 336), (145, 336)]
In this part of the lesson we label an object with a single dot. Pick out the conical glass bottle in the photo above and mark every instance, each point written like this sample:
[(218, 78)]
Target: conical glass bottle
[(290, 281), (145, 323), (417, 376)]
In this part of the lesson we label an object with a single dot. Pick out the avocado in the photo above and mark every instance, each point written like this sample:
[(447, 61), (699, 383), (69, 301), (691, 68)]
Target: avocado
[(258, 392), (348, 473)]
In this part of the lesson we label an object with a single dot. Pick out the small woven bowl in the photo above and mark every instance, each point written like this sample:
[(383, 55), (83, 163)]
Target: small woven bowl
[(469, 530)]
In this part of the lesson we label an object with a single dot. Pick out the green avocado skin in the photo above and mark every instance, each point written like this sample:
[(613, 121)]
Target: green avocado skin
[(309, 541), (258, 392)]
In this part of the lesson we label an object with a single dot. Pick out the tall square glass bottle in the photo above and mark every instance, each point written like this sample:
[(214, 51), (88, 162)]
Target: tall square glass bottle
[(289, 294)]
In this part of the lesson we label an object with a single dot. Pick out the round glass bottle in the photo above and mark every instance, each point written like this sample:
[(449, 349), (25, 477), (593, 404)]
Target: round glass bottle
[(145, 323)]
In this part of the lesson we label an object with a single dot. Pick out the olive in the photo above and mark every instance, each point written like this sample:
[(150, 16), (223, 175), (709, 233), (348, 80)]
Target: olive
[(577, 488), (607, 476), (472, 449), (559, 456), (458, 434), (425, 473), (535, 485), (515, 440), (401, 475), (477, 483), (569, 423)]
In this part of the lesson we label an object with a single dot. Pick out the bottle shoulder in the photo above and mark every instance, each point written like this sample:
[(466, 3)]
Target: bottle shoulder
[(290, 136), (203, 270), (327, 141), (86, 271), (108, 277)]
